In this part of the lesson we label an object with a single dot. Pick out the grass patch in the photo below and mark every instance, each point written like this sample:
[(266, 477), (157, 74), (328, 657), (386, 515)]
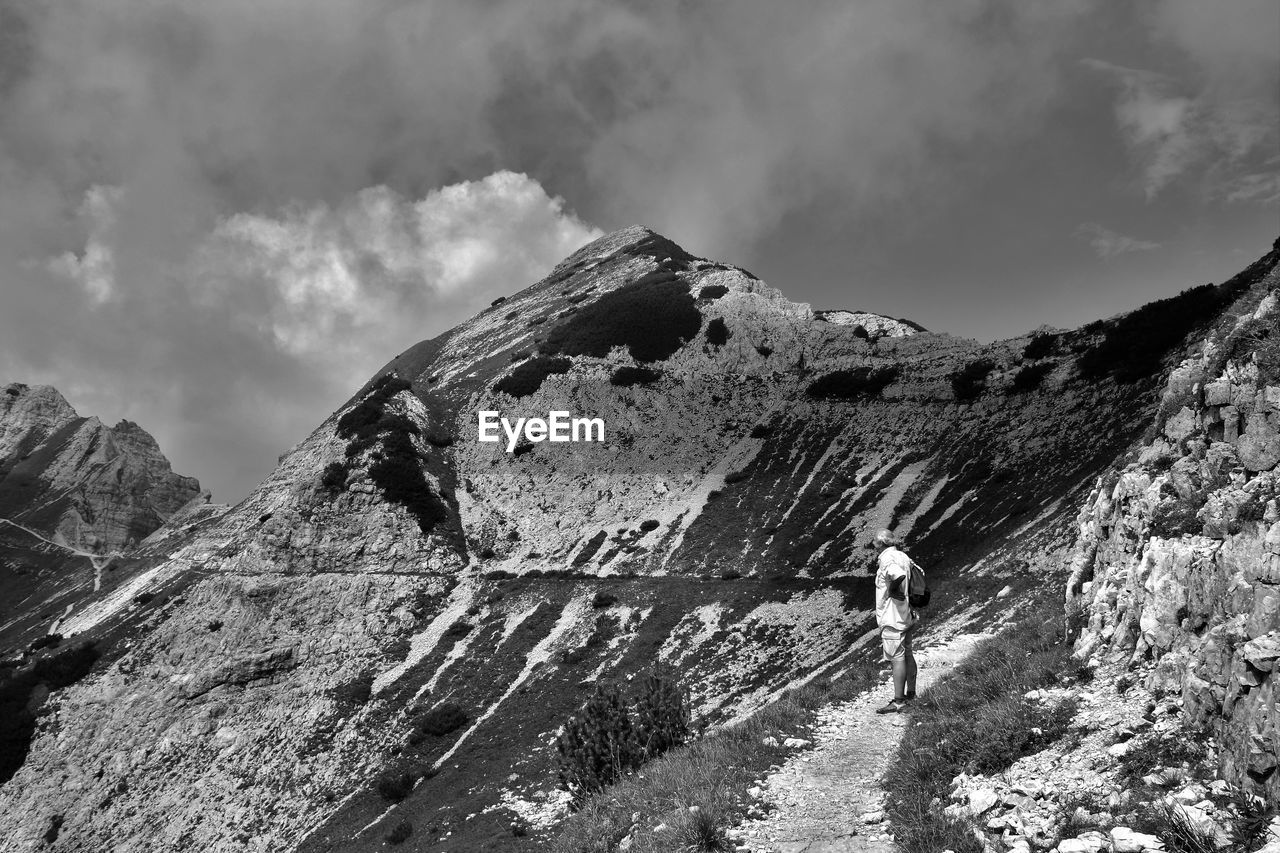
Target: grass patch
[(710, 773), (975, 721)]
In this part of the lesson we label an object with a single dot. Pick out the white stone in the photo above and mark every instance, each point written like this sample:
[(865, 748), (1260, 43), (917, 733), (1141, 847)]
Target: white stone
[(981, 800), (1125, 840)]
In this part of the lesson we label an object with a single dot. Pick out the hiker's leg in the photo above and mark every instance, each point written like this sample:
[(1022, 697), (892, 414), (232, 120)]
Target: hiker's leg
[(900, 677), (910, 656)]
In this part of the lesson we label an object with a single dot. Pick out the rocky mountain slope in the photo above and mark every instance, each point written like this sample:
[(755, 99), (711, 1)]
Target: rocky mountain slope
[(74, 495), (392, 626)]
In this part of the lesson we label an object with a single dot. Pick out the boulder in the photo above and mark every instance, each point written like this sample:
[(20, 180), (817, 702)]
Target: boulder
[(1125, 840), (1258, 451)]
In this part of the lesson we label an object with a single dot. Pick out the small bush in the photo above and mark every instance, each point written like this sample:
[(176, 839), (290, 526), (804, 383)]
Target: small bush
[(609, 737), (603, 599), (730, 575), (717, 332), (712, 291), (498, 301), (651, 317), (527, 378), (854, 383), (626, 376), (1176, 516), (860, 331), (764, 349), (45, 641), (970, 381), (334, 478), (761, 431), (649, 524), (735, 477), (400, 477), (1029, 377), (459, 629), (442, 719), (400, 832), (1040, 346), (395, 786)]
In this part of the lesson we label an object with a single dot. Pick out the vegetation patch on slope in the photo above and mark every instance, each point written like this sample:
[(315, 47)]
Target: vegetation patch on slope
[(863, 381), (19, 687), (976, 720), (651, 317), (397, 463), (527, 378)]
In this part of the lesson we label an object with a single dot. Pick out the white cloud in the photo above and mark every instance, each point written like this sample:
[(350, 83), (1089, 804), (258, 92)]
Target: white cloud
[(322, 281), (1219, 112), (1108, 244), (94, 269)]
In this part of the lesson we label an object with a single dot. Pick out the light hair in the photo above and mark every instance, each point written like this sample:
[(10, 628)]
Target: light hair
[(887, 538)]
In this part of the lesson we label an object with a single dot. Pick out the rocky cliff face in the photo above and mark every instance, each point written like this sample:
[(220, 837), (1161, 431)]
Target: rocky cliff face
[(73, 493), (265, 668), (1177, 566)]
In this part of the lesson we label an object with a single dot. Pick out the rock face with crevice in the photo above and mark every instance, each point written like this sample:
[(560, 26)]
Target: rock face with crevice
[(265, 666), (1178, 556)]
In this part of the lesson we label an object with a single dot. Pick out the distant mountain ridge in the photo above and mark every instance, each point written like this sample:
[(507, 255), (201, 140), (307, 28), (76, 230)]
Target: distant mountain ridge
[(394, 566)]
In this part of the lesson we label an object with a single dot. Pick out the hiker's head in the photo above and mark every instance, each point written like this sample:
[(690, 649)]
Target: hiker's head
[(886, 539)]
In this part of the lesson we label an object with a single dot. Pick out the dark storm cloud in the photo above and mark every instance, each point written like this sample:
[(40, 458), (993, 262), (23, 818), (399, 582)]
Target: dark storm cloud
[(216, 218)]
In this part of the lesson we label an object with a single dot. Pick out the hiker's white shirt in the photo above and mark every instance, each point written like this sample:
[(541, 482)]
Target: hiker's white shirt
[(890, 612)]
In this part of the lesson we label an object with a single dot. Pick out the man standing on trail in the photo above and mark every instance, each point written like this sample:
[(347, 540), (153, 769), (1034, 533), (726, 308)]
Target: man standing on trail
[(897, 618)]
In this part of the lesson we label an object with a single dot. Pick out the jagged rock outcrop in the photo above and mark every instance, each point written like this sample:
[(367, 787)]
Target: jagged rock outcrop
[(78, 481), (75, 495), (1178, 557), (265, 666)]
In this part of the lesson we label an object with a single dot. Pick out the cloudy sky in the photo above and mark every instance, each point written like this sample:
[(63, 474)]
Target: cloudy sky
[(217, 219)]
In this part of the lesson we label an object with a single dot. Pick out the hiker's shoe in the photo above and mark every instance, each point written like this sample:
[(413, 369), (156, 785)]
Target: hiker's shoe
[(910, 696), (895, 706)]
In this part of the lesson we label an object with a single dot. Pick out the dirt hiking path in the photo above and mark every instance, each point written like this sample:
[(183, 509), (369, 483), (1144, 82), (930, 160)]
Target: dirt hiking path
[(828, 799)]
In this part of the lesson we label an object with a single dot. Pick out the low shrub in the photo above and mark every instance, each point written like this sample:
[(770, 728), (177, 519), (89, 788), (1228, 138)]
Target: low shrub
[(651, 317), (400, 832), (441, 720), (735, 477), (1135, 345), (459, 629), (1029, 377), (334, 479), (628, 375), (603, 599), (863, 381), (45, 641), (17, 718), (649, 524), (761, 430), (610, 736), (527, 378), (1040, 346), (970, 381), (395, 786), (717, 332), (400, 477), (764, 349), (712, 291)]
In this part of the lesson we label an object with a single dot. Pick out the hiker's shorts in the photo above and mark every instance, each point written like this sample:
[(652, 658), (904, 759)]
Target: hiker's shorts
[(897, 644)]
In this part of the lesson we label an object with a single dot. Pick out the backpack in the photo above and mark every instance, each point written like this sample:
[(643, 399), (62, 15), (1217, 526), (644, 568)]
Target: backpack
[(918, 592)]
